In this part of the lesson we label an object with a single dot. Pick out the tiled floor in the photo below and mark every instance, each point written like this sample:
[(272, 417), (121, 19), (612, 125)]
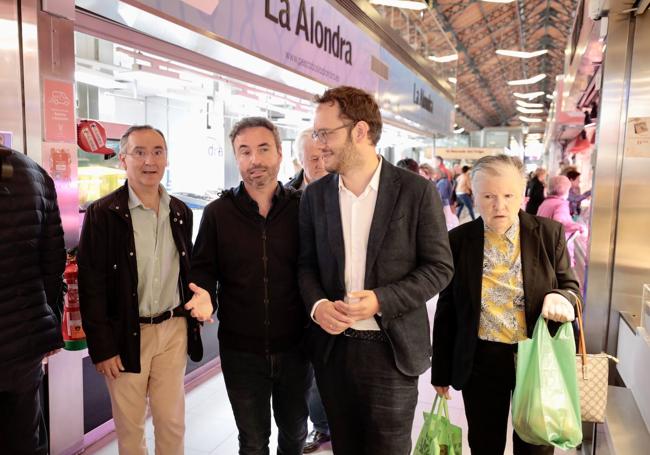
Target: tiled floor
[(211, 427)]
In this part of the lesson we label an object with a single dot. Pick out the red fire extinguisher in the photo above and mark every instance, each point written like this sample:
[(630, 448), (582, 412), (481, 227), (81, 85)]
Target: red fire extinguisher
[(74, 337)]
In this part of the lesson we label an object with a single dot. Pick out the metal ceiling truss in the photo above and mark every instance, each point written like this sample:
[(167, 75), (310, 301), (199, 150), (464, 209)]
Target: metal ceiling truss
[(469, 61), (479, 29)]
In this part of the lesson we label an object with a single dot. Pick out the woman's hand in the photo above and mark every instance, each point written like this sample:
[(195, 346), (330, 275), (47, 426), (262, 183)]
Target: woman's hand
[(443, 391), (557, 308)]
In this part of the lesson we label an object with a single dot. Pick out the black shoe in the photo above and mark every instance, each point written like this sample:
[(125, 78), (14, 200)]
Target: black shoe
[(314, 440)]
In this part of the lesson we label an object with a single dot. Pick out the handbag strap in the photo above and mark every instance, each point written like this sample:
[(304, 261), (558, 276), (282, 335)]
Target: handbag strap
[(582, 347)]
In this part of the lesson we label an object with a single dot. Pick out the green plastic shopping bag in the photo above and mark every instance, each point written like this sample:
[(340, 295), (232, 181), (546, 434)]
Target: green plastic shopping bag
[(546, 400), (438, 436)]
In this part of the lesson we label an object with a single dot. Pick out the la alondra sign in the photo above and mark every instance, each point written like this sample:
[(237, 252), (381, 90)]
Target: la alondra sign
[(314, 32)]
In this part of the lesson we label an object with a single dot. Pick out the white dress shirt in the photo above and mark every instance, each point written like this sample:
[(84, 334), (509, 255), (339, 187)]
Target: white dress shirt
[(356, 218)]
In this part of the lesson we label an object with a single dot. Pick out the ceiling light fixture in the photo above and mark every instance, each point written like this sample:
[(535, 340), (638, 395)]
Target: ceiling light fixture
[(525, 104), (443, 58), (531, 80), (529, 119), (459, 130), (528, 96), (406, 4), (525, 110), (521, 54)]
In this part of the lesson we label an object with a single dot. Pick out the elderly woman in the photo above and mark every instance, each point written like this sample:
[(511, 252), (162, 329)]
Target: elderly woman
[(556, 204), (556, 207), (510, 267)]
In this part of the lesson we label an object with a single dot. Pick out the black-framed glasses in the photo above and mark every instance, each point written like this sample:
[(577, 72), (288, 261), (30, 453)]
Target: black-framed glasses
[(321, 135)]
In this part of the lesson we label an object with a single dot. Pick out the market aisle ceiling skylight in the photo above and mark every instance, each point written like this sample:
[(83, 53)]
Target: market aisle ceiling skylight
[(530, 119), (525, 110), (443, 58), (521, 54), (525, 104), (528, 81), (528, 96)]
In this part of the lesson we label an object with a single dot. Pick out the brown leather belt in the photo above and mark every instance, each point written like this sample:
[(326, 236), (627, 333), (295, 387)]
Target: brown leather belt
[(367, 335), (162, 317)]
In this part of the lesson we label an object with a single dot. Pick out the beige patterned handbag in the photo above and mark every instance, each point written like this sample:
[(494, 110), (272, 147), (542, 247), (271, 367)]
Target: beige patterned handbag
[(593, 376)]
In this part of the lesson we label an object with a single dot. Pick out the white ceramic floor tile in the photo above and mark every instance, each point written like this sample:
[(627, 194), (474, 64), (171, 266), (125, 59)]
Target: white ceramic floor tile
[(206, 433), (211, 429)]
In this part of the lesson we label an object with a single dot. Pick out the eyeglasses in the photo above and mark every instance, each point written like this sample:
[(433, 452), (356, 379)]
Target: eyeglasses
[(141, 155), (321, 135)]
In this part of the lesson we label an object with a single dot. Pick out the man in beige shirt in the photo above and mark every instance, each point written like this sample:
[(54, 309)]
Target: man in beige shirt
[(133, 265)]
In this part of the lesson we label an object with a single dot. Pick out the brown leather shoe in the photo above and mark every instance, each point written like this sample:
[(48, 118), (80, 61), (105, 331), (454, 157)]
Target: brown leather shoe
[(314, 440)]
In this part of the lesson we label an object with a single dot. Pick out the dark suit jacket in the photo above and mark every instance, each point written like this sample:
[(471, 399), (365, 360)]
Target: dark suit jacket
[(408, 260), (545, 268)]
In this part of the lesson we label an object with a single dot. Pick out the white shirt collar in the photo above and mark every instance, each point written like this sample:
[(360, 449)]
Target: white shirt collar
[(373, 184)]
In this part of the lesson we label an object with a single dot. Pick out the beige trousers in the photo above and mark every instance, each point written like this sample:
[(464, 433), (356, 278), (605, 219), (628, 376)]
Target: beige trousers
[(163, 357)]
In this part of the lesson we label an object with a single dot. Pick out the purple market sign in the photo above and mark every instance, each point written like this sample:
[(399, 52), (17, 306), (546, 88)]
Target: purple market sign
[(307, 36)]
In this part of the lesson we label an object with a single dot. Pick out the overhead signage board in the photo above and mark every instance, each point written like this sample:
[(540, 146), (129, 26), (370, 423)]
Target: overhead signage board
[(307, 36), (408, 95), (468, 153)]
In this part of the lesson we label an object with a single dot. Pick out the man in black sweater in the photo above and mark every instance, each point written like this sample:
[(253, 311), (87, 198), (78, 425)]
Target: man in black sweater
[(244, 264)]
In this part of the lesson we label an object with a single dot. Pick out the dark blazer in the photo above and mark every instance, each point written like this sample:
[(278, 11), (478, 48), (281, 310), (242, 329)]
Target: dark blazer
[(545, 268), (408, 260), (108, 279)]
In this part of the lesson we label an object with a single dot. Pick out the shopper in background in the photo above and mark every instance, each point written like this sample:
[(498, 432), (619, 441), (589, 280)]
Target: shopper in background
[(510, 268), (556, 207), (409, 164), (575, 196), (426, 171), (440, 163), (134, 259), (311, 157), (457, 170), (32, 260), (311, 160), (246, 259), (464, 193), (535, 190), (373, 251), (444, 190)]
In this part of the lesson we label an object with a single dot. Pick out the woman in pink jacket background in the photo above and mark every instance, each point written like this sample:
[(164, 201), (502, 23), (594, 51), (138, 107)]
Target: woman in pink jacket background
[(556, 207)]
